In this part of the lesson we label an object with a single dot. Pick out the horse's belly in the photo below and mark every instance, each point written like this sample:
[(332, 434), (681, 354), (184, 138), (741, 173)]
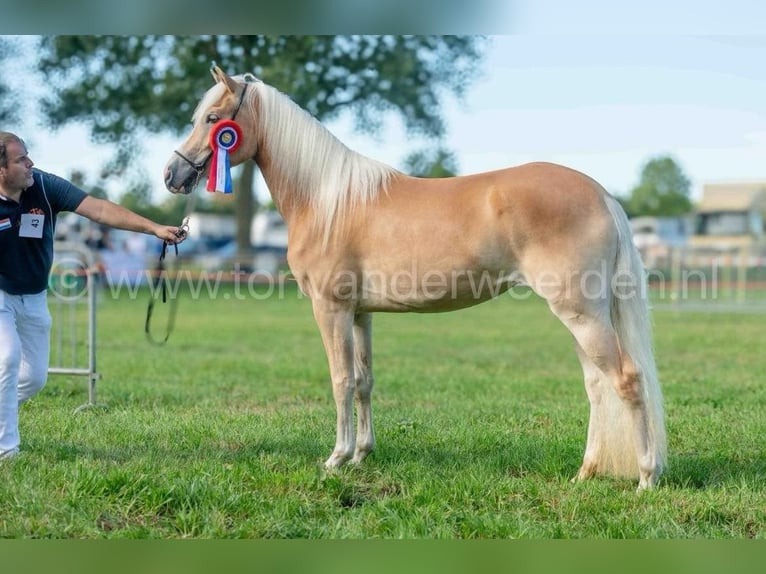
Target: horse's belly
[(432, 292)]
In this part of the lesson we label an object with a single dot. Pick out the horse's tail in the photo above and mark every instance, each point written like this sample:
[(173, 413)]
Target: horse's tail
[(631, 321)]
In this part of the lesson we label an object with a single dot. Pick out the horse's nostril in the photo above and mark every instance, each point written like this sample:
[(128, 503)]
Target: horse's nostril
[(171, 181)]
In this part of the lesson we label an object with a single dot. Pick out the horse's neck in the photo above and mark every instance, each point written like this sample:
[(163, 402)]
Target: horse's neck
[(284, 198)]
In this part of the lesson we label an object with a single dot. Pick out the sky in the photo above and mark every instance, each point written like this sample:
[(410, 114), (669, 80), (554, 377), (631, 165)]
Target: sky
[(606, 104), (602, 103)]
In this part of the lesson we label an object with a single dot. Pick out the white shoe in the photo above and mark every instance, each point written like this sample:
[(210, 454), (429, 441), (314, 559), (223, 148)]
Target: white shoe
[(8, 454)]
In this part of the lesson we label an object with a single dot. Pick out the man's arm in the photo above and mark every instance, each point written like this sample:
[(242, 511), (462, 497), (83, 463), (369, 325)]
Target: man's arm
[(108, 213)]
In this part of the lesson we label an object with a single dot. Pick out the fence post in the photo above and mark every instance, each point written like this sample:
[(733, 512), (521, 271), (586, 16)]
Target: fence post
[(742, 275)]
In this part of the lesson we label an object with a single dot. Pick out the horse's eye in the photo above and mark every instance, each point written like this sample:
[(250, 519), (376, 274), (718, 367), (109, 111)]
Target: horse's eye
[(212, 118)]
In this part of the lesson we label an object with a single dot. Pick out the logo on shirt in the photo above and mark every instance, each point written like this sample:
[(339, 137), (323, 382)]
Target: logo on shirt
[(5, 223)]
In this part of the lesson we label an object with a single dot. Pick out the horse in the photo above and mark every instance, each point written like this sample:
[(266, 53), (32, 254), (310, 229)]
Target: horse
[(364, 237)]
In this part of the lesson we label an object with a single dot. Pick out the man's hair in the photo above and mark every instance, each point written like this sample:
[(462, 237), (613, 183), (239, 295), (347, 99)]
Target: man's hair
[(5, 139)]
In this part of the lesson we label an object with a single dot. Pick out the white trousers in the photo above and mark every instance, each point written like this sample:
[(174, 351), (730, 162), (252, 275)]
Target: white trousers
[(25, 325)]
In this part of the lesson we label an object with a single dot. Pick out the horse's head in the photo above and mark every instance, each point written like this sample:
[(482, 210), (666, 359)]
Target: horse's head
[(223, 101)]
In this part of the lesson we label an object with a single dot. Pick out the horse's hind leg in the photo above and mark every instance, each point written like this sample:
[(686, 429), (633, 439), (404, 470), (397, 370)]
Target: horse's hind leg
[(618, 438), (365, 435), (594, 388)]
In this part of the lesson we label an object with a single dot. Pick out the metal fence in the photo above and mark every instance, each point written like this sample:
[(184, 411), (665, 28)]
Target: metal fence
[(72, 303), (695, 279)]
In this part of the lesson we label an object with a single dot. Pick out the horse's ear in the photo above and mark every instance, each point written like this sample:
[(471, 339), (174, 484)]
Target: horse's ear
[(230, 83), (215, 71), (220, 76)]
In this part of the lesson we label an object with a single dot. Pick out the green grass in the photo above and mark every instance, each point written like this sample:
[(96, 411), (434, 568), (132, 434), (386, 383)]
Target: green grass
[(480, 417)]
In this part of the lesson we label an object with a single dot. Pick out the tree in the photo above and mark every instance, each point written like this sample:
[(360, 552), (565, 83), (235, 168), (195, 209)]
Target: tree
[(437, 162), (123, 87), (662, 190), (9, 103)]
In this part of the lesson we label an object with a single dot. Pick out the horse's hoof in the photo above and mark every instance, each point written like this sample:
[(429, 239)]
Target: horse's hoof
[(335, 461), (585, 472), (360, 456), (647, 483)]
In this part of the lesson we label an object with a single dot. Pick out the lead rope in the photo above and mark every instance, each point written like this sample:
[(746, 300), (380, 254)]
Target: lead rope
[(159, 279)]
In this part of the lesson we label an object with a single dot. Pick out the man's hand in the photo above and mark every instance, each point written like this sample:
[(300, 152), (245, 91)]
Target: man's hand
[(170, 234)]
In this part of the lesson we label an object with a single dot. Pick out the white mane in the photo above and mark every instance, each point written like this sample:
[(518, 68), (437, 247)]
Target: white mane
[(309, 161)]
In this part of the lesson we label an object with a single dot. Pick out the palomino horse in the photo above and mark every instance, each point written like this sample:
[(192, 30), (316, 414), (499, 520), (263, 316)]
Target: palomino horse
[(364, 237)]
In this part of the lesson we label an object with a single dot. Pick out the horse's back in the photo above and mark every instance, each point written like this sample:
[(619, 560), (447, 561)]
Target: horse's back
[(535, 189), (544, 205)]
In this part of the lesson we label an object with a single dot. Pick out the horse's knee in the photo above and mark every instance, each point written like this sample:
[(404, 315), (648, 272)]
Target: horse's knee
[(363, 387)]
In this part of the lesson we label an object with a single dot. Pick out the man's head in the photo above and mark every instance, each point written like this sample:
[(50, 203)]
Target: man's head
[(15, 165), (5, 139)]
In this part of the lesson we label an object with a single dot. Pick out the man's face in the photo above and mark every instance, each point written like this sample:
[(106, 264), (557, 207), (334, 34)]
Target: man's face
[(17, 175)]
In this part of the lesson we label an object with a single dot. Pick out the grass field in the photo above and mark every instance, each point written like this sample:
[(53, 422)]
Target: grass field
[(480, 417)]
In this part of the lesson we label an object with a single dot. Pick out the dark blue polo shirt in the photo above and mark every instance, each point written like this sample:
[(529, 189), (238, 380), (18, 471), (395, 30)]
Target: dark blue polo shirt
[(25, 262)]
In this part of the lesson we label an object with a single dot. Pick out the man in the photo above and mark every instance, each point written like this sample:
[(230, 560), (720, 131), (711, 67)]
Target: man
[(29, 202)]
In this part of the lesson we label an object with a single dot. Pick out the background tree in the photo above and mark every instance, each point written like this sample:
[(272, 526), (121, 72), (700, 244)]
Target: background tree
[(9, 104), (432, 162), (125, 87), (662, 190)]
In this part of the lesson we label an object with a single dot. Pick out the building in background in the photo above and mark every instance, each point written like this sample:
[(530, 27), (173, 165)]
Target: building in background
[(657, 237), (730, 218)]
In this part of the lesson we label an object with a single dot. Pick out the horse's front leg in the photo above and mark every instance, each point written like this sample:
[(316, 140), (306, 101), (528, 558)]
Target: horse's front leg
[(365, 435), (335, 325)]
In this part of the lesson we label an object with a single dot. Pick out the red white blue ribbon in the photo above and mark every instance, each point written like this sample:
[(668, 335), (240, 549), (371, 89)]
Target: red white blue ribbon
[(225, 137)]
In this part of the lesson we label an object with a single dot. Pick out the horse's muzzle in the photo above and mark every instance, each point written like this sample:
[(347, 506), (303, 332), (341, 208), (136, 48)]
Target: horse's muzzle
[(184, 187)]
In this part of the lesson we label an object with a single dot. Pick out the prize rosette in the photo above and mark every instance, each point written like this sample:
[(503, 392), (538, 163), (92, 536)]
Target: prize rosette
[(225, 137)]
